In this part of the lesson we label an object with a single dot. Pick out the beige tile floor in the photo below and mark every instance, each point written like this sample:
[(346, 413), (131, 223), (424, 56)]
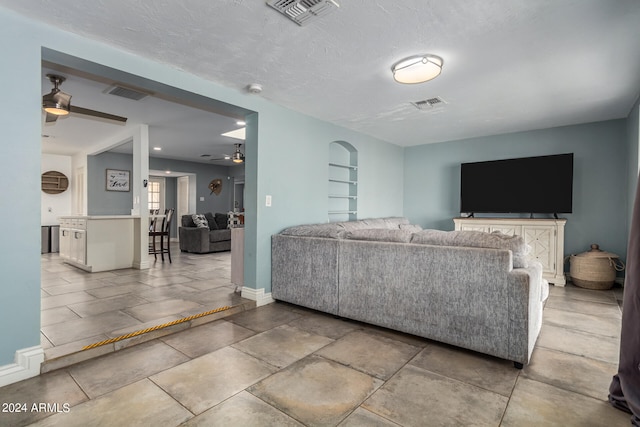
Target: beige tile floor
[(80, 308), (281, 365)]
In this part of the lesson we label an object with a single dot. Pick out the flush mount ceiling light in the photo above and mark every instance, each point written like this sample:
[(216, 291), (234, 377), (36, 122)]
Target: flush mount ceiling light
[(417, 69)]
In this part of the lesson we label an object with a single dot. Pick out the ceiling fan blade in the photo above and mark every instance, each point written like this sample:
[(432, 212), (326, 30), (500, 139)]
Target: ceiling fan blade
[(99, 114), (50, 118)]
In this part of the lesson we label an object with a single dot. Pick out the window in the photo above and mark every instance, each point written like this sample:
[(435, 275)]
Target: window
[(156, 194)]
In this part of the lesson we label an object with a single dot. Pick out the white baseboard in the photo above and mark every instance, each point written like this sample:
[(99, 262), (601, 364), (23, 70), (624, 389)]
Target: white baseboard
[(257, 295), (27, 365)]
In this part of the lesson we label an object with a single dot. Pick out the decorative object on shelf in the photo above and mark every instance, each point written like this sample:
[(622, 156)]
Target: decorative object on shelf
[(117, 180), (215, 186), (595, 269), (54, 182)]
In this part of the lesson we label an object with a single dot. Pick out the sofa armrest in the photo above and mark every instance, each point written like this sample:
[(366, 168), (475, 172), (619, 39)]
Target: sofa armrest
[(525, 310), (194, 239)]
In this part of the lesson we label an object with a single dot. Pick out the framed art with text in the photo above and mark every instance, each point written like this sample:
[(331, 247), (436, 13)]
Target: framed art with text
[(117, 180)]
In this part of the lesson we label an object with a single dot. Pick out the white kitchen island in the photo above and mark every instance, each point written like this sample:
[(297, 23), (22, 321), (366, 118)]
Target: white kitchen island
[(98, 242)]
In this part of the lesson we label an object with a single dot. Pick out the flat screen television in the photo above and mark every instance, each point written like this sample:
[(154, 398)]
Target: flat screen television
[(542, 185)]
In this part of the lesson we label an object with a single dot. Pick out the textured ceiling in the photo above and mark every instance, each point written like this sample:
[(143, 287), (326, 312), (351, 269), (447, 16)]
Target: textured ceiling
[(509, 65)]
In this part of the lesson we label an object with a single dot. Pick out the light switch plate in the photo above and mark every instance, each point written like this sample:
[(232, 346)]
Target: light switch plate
[(267, 201)]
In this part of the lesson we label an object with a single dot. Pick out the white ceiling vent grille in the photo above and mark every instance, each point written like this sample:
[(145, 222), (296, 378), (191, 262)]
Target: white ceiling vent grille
[(303, 11), (125, 92), (429, 104)]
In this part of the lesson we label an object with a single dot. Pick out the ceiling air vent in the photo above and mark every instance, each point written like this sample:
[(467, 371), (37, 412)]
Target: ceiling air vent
[(429, 104), (303, 11), (125, 92)]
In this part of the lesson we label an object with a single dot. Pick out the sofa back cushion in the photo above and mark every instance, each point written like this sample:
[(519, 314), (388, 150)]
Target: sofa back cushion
[(339, 230), (330, 230), (380, 235), (187, 221), (476, 239), (213, 225), (222, 221)]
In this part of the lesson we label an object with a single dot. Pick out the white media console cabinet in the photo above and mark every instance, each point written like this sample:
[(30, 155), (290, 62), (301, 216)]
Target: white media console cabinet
[(545, 236)]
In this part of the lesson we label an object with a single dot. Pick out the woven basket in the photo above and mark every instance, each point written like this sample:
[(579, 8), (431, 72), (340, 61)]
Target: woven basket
[(595, 269)]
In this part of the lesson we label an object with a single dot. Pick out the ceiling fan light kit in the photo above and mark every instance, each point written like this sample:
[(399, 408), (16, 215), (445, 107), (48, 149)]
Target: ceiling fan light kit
[(237, 156), (417, 69), (56, 102)]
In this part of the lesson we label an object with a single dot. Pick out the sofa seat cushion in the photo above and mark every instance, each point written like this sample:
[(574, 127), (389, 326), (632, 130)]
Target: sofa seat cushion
[(219, 235), (476, 239), (380, 235)]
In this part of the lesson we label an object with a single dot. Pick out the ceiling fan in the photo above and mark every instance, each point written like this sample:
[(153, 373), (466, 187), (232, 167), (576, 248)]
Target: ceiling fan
[(57, 103), (236, 157)]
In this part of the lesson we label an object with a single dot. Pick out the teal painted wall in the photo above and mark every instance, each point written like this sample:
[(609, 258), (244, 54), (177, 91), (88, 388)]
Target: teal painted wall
[(293, 169), (20, 171), (286, 154), (432, 178)]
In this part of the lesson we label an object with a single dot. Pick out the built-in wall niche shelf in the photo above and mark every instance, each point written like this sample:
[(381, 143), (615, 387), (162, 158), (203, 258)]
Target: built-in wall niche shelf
[(54, 182), (343, 182), (338, 165), (340, 196)]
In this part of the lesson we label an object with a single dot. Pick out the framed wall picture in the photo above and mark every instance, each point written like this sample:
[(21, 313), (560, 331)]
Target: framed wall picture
[(117, 180)]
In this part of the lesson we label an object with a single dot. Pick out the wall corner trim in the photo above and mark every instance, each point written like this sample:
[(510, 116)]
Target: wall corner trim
[(257, 295), (27, 365)]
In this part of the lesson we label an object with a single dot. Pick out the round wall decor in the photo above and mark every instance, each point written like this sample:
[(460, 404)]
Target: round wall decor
[(215, 186), (54, 182)]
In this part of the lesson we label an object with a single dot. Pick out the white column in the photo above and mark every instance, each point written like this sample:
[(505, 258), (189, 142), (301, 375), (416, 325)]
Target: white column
[(140, 197)]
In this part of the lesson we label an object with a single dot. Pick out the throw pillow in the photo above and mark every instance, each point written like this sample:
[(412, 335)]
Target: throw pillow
[(211, 220), (200, 221)]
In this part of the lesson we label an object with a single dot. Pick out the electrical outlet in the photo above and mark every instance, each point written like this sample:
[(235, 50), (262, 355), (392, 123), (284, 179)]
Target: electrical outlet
[(267, 201), (201, 199)]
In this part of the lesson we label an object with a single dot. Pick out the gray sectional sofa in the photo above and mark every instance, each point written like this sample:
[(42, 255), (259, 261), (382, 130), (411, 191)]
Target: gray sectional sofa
[(214, 237), (470, 289)]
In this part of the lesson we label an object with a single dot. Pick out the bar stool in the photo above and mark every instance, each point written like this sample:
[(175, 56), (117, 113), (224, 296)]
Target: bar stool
[(165, 231)]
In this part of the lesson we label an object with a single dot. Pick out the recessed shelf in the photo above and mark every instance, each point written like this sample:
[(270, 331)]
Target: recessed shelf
[(343, 181), (342, 212), (341, 196), (338, 165)]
